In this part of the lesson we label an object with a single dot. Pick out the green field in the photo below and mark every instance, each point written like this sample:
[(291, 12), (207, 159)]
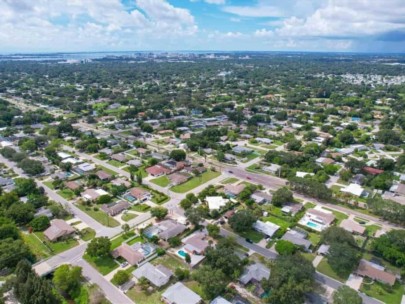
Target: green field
[(170, 262), (382, 292), (229, 180), (195, 182), (99, 216), (87, 234), (140, 208), (104, 265), (66, 194), (37, 248), (115, 163), (121, 238), (144, 297), (162, 181), (278, 221), (253, 235), (49, 184), (128, 216)]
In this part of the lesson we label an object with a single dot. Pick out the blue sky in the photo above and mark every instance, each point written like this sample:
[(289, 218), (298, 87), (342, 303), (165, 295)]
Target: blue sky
[(263, 25)]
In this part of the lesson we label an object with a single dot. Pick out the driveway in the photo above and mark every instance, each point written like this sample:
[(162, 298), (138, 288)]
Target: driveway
[(354, 281)]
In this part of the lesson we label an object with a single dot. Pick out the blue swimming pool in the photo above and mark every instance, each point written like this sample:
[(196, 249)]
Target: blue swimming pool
[(312, 224), (182, 253)]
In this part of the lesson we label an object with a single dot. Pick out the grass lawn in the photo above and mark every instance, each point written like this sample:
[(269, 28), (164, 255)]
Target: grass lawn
[(49, 184), (325, 268), (196, 181), (37, 248), (49, 248), (250, 156), (309, 205), (372, 229), (128, 216), (118, 240), (66, 194), (99, 216), (196, 287), (384, 293), (140, 169), (253, 235), (142, 297), (162, 181), (169, 261), (137, 239), (104, 265), (140, 208), (87, 234), (278, 221), (115, 163), (158, 197), (308, 256), (360, 220), (229, 180), (314, 238)]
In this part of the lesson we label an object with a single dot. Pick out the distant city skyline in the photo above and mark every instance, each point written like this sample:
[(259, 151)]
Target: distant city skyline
[(202, 25)]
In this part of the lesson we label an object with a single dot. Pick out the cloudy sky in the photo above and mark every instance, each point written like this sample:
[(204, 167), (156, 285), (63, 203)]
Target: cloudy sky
[(270, 25)]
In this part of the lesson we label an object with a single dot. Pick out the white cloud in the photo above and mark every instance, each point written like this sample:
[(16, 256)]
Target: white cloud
[(264, 33), (260, 10), (88, 24), (218, 2)]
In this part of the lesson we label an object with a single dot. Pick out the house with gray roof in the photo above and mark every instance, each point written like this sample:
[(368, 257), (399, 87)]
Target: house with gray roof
[(297, 238), (158, 275), (254, 273), (179, 293)]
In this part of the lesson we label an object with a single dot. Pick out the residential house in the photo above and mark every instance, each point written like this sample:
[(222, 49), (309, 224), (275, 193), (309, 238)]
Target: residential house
[(120, 157), (241, 150), (262, 140), (93, 194), (140, 194), (157, 170), (72, 185), (292, 208), (303, 174), (254, 274), (120, 182), (267, 228), (400, 190), (317, 219), (372, 171), (115, 208), (158, 275), (352, 227), (63, 155), (104, 176), (165, 229), (43, 211), (375, 272), (178, 178), (324, 161), (273, 169), (196, 243), (233, 190), (297, 238), (261, 197), (180, 294), (323, 250), (84, 168), (220, 300), (135, 162), (59, 229), (159, 156), (135, 253), (354, 189), (216, 202), (6, 181)]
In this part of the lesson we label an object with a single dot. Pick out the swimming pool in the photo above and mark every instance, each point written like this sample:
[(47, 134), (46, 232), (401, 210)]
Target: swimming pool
[(312, 225), (182, 253)]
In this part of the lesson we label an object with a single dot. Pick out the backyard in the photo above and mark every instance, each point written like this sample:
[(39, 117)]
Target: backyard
[(104, 265), (325, 268), (162, 181), (66, 194), (382, 292)]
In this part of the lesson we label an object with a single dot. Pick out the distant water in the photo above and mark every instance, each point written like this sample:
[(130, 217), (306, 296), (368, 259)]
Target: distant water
[(65, 56)]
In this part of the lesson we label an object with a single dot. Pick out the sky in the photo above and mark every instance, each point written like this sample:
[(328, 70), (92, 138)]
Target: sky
[(223, 25)]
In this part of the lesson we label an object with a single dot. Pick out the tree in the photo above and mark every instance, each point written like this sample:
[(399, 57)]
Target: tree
[(386, 164), (187, 258), (143, 283), (175, 241), (242, 220), (8, 229), (67, 279), (125, 228), (195, 215), (343, 258), (337, 235), (282, 196), (21, 213), (213, 230), (181, 273), (99, 247), (285, 247), (13, 251), (120, 277), (213, 281), (292, 276), (31, 167), (25, 186), (346, 137), (391, 247), (186, 204), (294, 145), (104, 199), (139, 178), (344, 294), (178, 155), (40, 223), (29, 288), (388, 137), (159, 212)]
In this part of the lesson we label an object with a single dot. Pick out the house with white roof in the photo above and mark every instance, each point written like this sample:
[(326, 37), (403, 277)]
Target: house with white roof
[(179, 293), (354, 189), (216, 202), (267, 228)]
